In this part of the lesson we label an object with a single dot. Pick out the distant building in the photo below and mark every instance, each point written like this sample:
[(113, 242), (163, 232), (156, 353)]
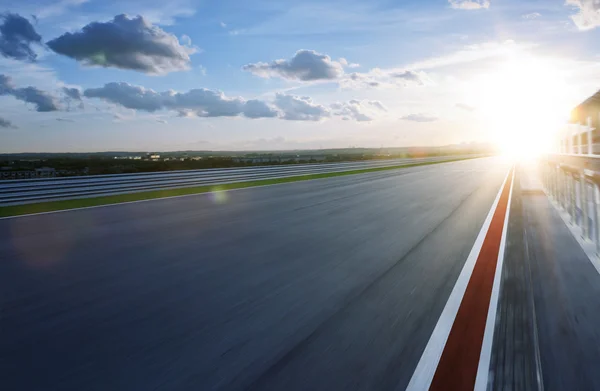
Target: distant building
[(44, 172)]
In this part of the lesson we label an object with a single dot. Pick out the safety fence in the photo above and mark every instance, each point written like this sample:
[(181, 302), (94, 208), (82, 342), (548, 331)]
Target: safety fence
[(13, 192), (573, 181)]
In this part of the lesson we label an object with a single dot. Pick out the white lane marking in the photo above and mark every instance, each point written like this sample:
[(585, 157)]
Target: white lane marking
[(423, 375), (483, 370)]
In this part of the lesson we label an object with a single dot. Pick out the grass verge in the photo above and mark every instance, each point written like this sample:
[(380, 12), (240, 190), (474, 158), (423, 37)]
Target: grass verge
[(52, 206)]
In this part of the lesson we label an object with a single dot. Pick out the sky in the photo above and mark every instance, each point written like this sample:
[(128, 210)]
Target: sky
[(164, 75)]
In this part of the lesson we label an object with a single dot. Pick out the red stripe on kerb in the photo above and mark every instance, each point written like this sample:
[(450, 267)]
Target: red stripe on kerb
[(457, 368)]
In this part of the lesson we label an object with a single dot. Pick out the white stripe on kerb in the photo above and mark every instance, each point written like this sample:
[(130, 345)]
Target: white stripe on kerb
[(423, 375), (483, 369)]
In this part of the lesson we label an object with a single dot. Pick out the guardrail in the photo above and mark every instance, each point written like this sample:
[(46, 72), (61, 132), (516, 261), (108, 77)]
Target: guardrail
[(573, 181), (23, 191)]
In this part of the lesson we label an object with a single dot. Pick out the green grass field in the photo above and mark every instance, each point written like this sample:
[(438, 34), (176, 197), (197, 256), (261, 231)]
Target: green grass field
[(51, 206)]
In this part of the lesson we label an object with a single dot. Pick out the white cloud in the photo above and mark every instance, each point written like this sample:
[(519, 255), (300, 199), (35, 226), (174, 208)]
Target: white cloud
[(347, 64), (471, 53), (469, 4), (588, 15), (388, 78), (255, 108), (186, 40), (58, 8), (209, 103), (305, 65), (223, 24), (465, 107), (299, 108), (533, 15), (420, 117), (361, 111)]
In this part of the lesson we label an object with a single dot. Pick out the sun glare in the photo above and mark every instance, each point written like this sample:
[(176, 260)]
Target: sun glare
[(523, 101)]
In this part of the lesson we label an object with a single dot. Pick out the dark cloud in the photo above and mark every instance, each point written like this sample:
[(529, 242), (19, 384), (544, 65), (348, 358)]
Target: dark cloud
[(298, 108), (420, 117), (16, 37), (4, 123), (42, 100), (72, 93), (6, 85), (201, 102), (127, 44), (306, 65)]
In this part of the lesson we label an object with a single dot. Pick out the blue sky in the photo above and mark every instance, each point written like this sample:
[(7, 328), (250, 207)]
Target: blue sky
[(286, 74)]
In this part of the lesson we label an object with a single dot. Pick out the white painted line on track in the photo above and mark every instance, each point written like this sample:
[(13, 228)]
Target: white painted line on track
[(426, 368), (483, 370)]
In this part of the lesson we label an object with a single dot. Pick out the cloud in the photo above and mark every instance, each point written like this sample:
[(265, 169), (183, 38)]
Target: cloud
[(72, 92), (65, 120), (130, 96), (209, 103), (377, 104), (186, 40), (379, 78), (223, 24), (420, 117), (358, 110), (588, 15), (345, 63), (469, 4), (16, 37), (200, 102), (411, 76), (162, 121), (465, 106), (305, 65), (126, 44), (472, 53), (255, 108), (298, 108), (4, 123), (42, 100), (533, 15), (57, 8)]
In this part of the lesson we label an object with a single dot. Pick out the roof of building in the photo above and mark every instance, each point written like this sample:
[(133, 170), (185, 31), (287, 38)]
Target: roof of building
[(589, 107)]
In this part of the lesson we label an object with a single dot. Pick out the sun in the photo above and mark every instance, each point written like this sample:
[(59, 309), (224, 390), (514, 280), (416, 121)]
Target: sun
[(523, 101)]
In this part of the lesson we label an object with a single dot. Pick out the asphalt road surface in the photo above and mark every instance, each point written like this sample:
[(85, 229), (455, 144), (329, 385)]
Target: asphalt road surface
[(333, 284)]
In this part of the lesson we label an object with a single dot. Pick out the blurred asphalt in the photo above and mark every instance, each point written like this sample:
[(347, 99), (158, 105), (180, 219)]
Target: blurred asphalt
[(331, 284)]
